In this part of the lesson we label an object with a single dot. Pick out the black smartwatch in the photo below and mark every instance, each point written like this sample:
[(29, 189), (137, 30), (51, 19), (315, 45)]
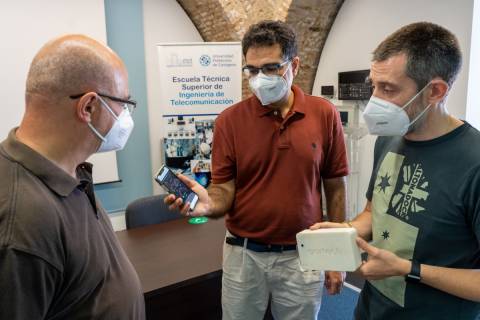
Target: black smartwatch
[(414, 275)]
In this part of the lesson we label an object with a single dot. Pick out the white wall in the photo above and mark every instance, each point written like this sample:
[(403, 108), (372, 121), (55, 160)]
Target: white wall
[(25, 26), (473, 98), (22, 37), (118, 221), (164, 21), (361, 25)]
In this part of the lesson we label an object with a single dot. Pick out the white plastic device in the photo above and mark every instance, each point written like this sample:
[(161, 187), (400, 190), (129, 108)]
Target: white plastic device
[(329, 249)]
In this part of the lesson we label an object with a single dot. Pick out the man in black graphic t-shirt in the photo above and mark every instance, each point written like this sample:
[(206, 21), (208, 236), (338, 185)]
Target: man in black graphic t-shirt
[(423, 208)]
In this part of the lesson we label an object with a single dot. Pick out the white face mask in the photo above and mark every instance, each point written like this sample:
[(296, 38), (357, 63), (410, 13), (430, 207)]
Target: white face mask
[(269, 89), (117, 136), (384, 118)]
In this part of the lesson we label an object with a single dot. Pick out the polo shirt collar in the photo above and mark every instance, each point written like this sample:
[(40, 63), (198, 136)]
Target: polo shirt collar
[(298, 103), (53, 176)]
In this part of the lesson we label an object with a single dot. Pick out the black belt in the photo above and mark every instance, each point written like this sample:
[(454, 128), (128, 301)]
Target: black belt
[(259, 247)]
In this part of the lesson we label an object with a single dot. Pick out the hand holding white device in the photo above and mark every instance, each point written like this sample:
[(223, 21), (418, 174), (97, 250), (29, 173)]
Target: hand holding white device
[(329, 249)]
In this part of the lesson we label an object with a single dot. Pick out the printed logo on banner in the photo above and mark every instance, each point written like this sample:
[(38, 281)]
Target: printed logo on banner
[(199, 78), (224, 60), (174, 60), (205, 60)]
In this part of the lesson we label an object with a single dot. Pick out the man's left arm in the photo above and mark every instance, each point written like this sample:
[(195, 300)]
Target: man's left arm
[(335, 194), (463, 283)]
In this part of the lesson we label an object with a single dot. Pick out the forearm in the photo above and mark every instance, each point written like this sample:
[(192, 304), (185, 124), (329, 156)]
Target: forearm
[(463, 283), (363, 224), (220, 198), (336, 206), (335, 194)]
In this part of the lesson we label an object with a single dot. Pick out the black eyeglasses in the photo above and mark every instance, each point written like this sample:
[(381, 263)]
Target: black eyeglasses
[(268, 69), (129, 105)]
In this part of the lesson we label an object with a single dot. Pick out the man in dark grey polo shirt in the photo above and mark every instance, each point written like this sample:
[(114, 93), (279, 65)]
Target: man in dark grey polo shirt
[(59, 257)]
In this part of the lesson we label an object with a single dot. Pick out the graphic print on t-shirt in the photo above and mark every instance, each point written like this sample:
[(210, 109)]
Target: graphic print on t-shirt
[(413, 192), (400, 191)]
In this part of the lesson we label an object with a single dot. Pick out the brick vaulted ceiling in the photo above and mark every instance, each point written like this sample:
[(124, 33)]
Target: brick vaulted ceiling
[(228, 20)]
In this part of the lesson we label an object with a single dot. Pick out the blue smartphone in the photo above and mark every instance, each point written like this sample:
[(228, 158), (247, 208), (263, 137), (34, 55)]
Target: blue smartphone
[(169, 180)]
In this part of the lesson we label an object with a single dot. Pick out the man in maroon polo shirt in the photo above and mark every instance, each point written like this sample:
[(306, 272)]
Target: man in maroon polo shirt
[(271, 154)]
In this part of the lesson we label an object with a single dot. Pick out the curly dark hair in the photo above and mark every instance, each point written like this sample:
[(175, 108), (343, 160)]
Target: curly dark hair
[(431, 50), (268, 33)]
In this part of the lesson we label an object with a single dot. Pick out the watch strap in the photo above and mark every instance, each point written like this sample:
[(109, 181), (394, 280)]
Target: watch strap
[(414, 275)]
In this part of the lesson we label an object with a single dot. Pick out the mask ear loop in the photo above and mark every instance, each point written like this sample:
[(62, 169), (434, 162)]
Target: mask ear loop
[(109, 110), (286, 70), (105, 104), (421, 113), (418, 117), (415, 96), (96, 132)]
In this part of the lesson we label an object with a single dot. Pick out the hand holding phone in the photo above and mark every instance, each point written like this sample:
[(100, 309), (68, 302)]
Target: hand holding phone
[(169, 180)]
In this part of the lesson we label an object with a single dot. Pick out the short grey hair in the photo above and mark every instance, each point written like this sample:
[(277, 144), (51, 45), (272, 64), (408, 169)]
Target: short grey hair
[(431, 50)]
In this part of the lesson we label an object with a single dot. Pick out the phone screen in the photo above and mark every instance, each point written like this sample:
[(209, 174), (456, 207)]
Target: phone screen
[(174, 185)]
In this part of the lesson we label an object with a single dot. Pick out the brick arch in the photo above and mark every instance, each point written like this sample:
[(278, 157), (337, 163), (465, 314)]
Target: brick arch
[(227, 20)]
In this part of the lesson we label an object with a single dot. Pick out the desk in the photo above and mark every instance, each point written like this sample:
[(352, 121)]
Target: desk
[(179, 266)]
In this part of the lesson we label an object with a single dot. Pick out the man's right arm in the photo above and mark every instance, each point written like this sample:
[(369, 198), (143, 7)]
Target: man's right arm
[(28, 285), (214, 202), (221, 198)]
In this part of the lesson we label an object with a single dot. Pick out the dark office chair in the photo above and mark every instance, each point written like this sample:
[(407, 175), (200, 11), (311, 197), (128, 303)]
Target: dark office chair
[(148, 210)]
